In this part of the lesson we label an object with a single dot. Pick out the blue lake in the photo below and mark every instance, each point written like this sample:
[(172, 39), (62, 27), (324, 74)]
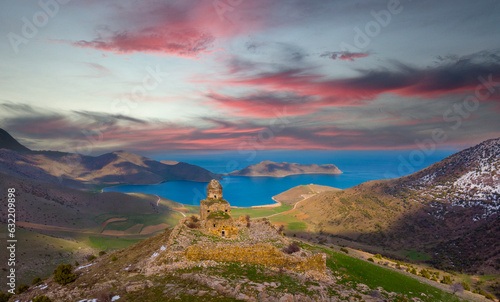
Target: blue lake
[(358, 167)]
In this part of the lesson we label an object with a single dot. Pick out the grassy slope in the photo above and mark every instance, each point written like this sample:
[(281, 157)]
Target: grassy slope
[(351, 271)]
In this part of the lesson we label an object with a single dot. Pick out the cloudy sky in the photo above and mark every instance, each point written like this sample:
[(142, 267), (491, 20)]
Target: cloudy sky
[(148, 76)]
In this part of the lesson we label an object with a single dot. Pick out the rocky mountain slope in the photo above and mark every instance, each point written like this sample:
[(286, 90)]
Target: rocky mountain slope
[(273, 169), (89, 172), (166, 268), (449, 211), (8, 142)]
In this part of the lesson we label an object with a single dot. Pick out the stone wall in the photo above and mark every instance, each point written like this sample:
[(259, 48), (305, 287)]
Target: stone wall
[(221, 227), (260, 253), (210, 206)]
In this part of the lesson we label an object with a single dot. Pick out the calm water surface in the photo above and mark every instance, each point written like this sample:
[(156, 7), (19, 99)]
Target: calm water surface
[(358, 167)]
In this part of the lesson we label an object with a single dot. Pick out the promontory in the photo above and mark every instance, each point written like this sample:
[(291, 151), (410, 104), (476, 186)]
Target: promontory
[(272, 169)]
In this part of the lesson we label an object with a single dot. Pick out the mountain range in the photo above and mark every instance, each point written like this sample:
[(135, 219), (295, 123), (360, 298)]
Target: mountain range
[(449, 211), (91, 172)]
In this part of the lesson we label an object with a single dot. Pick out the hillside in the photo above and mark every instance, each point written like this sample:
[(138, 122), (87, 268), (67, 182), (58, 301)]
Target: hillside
[(166, 268), (89, 172), (273, 169), (10, 143), (80, 220), (448, 211)]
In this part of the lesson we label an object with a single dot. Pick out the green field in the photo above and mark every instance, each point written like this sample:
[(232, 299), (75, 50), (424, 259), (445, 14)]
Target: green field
[(414, 255), (358, 271), (259, 212)]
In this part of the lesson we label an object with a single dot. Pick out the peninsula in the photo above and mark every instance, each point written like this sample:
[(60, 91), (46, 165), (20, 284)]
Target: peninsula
[(272, 169)]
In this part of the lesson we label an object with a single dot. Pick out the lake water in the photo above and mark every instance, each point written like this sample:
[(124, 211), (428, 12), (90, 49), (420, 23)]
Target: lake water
[(358, 167)]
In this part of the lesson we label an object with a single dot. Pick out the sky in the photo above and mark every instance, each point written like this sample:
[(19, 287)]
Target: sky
[(151, 76)]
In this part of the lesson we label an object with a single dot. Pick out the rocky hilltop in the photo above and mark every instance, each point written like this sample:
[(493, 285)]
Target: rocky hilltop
[(449, 211), (215, 257), (88, 172), (273, 169)]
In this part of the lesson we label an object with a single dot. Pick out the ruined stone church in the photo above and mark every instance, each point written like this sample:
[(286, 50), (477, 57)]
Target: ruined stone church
[(215, 213)]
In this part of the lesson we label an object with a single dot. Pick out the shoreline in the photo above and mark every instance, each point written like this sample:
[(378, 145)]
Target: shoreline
[(274, 205)]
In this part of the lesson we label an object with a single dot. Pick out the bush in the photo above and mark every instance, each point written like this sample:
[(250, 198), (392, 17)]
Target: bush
[(292, 248), (378, 256), (91, 258), (371, 260), (37, 281), (63, 274), (413, 271), (41, 299), (489, 296), (343, 249), (193, 222), (446, 280), (114, 258), (425, 273), (4, 297), (281, 228), (77, 263), (22, 288), (466, 286), (102, 253)]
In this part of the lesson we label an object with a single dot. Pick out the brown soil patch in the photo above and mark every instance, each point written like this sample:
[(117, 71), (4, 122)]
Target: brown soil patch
[(153, 228), (105, 223)]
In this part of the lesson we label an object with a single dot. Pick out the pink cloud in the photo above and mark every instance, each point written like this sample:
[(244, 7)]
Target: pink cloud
[(184, 29)]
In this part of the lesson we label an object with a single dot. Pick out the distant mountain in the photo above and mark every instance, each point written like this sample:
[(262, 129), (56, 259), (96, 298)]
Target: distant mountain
[(273, 169), (80, 171), (10, 143), (449, 211)]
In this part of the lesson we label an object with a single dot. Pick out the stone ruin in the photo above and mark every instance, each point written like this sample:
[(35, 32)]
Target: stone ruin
[(215, 213)]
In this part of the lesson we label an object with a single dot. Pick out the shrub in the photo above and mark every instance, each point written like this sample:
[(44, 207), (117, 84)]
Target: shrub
[(114, 258), (343, 249), (466, 286), (413, 271), (489, 296), (446, 280), (22, 288), (292, 248), (91, 258), (37, 281), (63, 274), (41, 299), (77, 263), (425, 273), (102, 253), (4, 297), (371, 260), (378, 256), (193, 222), (281, 228)]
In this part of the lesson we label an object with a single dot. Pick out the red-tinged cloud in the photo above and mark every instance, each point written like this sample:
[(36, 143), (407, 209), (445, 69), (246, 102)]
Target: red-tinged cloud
[(183, 28), (465, 76), (264, 104), (344, 55)]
